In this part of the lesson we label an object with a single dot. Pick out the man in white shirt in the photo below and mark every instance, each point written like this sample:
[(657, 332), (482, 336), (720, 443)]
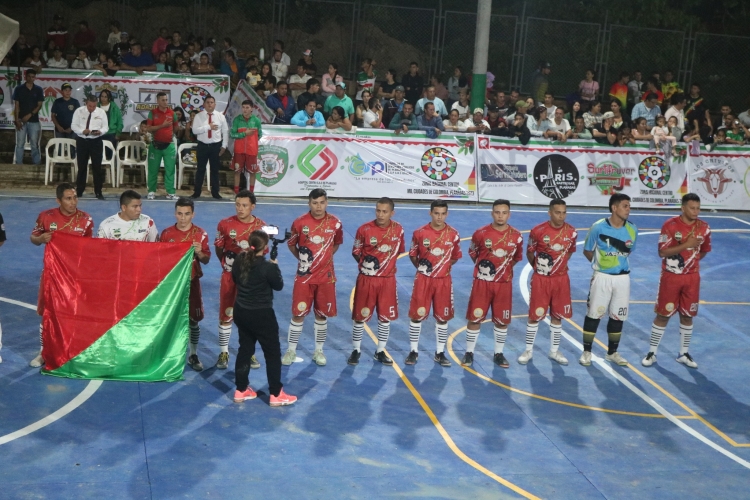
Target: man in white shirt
[(429, 96), (477, 123), (549, 103), (210, 128), (278, 68), (89, 124), (298, 81), (129, 224), (679, 101), (57, 61), (559, 127)]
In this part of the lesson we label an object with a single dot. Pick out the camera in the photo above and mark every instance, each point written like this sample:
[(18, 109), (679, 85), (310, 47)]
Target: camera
[(272, 231)]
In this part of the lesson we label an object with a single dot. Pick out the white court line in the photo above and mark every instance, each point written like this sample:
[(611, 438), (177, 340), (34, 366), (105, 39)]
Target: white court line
[(74, 403), (523, 283), (740, 220)]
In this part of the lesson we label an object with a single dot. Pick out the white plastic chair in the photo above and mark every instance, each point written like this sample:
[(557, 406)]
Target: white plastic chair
[(60, 152), (133, 157), (182, 164), (108, 149)]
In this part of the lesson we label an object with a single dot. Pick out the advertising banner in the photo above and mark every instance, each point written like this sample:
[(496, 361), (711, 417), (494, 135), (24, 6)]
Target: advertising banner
[(720, 177), (134, 94), (369, 163)]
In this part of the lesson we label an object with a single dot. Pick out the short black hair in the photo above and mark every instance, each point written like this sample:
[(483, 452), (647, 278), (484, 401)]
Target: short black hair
[(61, 188), (280, 83), (209, 96), (616, 198), (690, 197), (500, 201), (386, 201), (160, 94), (317, 193), (677, 98), (127, 196), (271, 79), (311, 82), (184, 201), (91, 98), (30, 72), (248, 102), (557, 201), (652, 96), (438, 204), (414, 63), (247, 194), (623, 74)]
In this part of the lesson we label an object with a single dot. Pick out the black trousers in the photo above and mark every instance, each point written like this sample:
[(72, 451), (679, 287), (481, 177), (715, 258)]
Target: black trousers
[(89, 148), (258, 325), (208, 153)]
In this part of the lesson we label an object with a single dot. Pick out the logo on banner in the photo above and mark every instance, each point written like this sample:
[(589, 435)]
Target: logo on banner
[(317, 162), (503, 172), (654, 172), (609, 177), (2, 96), (438, 164), (192, 99), (716, 178), (358, 167), (556, 176), (272, 163), (147, 99)]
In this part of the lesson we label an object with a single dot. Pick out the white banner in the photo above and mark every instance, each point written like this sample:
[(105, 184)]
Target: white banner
[(720, 177), (134, 94), (582, 172), (367, 164), (245, 92)]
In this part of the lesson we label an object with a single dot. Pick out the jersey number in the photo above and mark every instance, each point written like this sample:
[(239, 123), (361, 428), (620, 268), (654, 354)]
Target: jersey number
[(623, 311)]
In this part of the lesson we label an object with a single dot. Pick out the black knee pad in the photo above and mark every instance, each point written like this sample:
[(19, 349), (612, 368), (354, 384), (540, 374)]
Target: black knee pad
[(590, 324), (614, 326)]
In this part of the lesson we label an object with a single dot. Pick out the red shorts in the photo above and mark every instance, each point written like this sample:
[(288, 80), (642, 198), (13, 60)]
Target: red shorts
[(435, 292), (242, 162), (372, 292), (486, 294), (321, 297), (227, 295), (678, 293), (550, 292), (196, 301)]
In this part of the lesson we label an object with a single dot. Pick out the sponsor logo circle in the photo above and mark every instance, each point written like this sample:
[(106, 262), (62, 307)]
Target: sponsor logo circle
[(654, 172), (539, 311), (229, 311), (438, 164), (556, 176), (365, 311), (301, 307), (192, 98), (421, 311), (669, 307), (716, 180), (478, 312)]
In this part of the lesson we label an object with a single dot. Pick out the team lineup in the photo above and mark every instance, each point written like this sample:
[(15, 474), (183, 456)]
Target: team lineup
[(494, 249)]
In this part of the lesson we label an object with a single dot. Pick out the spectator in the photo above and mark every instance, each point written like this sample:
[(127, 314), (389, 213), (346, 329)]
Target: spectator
[(604, 133), (501, 103), (298, 81), (477, 123), (50, 52), (456, 83), (278, 68), (81, 61), (559, 127), (522, 108), (228, 46), (27, 101), (308, 117), (114, 117), (668, 86), (269, 87), (413, 83), (538, 123), (515, 96), (619, 89), (641, 131), (339, 98), (209, 49), (185, 70), (430, 121), (101, 63), (662, 139), (338, 121), (204, 66), (162, 63), (161, 43), (62, 112), (281, 103), (112, 66), (21, 50), (366, 79), (430, 97), (462, 105), (618, 119), (720, 137), (311, 94), (453, 123), (588, 89), (580, 131), (575, 112), (385, 91), (307, 59), (285, 59), (674, 129), (540, 82), (57, 32), (57, 61), (232, 67), (532, 102), (737, 132), (373, 117), (624, 136), (122, 48), (549, 103), (362, 107), (175, 46), (494, 118), (330, 80), (726, 117), (265, 70), (517, 128), (404, 120), (252, 77), (137, 60), (394, 105), (652, 87), (744, 117), (180, 130), (114, 34), (647, 109), (35, 61), (635, 89), (679, 102), (84, 38), (440, 90), (593, 116)]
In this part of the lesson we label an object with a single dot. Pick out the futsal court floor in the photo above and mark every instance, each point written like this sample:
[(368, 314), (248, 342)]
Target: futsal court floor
[(372, 431)]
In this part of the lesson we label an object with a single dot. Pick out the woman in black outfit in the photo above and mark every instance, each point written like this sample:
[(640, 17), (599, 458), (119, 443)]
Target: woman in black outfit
[(256, 279)]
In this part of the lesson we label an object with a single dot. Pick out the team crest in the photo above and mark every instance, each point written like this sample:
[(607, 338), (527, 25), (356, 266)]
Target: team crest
[(669, 307), (478, 312), (437, 252), (678, 236), (539, 311), (244, 244), (373, 241), (305, 230), (317, 239), (557, 247), (116, 233), (426, 242), (53, 226), (233, 234), (365, 311), (488, 243), (384, 248), (500, 253), (301, 307), (421, 311), (546, 239), (229, 311), (629, 244)]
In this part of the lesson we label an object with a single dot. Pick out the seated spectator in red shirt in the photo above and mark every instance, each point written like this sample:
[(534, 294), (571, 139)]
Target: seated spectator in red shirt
[(84, 38), (57, 32), (652, 87)]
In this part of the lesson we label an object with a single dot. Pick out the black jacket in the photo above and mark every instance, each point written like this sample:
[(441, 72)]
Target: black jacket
[(256, 292)]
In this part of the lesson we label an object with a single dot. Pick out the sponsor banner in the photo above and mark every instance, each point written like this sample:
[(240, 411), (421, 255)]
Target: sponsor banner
[(581, 172), (366, 164), (720, 178), (134, 94)]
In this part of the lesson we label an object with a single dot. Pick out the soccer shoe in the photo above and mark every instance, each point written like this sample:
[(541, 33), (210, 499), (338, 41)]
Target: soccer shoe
[(289, 356), (354, 358), (649, 360), (525, 357), (585, 358), (468, 359), (283, 399), (687, 360), (441, 359), (151, 196), (223, 361), (254, 363), (411, 359), (172, 196), (37, 362), (558, 356), (383, 358), (195, 363), (499, 360), (319, 357), (616, 358), (246, 395)]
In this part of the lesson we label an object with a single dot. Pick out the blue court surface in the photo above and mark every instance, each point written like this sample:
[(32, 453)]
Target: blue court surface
[(372, 431)]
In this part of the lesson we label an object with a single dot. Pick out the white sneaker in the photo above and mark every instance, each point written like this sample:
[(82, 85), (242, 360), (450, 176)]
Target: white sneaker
[(172, 197), (585, 358), (151, 196), (319, 358), (289, 356), (37, 362), (525, 357), (558, 356), (687, 360), (649, 360), (617, 359)]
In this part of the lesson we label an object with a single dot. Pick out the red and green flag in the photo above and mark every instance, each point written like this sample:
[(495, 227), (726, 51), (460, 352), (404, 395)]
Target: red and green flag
[(116, 310)]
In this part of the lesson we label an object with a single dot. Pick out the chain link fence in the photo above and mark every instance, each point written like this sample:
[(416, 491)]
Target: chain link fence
[(719, 64)]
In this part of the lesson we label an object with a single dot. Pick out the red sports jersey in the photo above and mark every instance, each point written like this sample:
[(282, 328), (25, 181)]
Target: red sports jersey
[(494, 253), (377, 248), (80, 223), (232, 235), (435, 250), (552, 247), (314, 240), (673, 233), (194, 234)]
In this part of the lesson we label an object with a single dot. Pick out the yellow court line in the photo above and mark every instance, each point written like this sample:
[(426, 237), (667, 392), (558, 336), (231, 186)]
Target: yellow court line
[(702, 302), (671, 396)]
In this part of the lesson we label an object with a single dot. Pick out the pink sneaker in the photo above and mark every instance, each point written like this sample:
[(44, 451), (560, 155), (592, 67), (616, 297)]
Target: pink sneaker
[(246, 395), (283, 399)]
